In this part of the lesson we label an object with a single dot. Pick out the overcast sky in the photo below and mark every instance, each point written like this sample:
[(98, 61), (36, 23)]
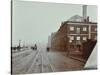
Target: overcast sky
[(34, 21)]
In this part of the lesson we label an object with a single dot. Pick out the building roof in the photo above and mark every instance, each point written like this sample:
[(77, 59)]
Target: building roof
[(76, 18)]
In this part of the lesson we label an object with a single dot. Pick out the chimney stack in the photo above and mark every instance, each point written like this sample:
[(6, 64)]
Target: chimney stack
[(85, 13)]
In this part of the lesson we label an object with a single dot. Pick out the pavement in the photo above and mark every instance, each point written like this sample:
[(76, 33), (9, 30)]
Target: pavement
[(61, 62)]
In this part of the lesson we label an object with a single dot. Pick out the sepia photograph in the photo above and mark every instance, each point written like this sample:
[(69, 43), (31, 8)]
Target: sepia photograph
[(52, 37)]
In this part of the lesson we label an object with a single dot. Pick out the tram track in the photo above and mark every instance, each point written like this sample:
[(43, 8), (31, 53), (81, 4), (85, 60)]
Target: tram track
[(33, 62), (41, 64)]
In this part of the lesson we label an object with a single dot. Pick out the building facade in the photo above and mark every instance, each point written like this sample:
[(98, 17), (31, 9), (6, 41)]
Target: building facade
[(78, 33), (74, 34)]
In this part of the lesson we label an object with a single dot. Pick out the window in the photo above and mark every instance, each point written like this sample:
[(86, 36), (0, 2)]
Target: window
[(84, 29), (95, 38), (78, 30), (84, 38), (78, 38), (71, 28), (95, 29), (70, 41), (71, 37)]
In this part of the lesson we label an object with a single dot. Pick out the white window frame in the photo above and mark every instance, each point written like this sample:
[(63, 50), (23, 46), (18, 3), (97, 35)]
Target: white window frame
[(78, 38), (71, 37), (71, 28), (70, 41), (78, 30), (84, 28), (84, 38)]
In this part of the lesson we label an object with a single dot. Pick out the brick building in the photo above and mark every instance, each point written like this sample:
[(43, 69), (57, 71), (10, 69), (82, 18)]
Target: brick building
[(73, 33)]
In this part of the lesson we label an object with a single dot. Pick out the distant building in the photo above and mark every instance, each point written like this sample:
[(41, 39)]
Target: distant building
[(49, 41), (52, 41), (74, 32)]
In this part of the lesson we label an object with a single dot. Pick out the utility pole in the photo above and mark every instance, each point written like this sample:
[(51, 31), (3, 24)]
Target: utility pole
[(19, 46), (19, 43)]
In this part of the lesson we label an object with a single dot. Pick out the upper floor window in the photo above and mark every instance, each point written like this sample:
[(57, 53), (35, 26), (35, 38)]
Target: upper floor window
[(78, 30), (84, 28), (71, 28), (71, 37), (95, 29), (78, 38), (84, 38)]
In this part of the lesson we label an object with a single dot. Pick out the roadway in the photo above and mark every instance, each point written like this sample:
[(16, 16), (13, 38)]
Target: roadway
[(32, 61)]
